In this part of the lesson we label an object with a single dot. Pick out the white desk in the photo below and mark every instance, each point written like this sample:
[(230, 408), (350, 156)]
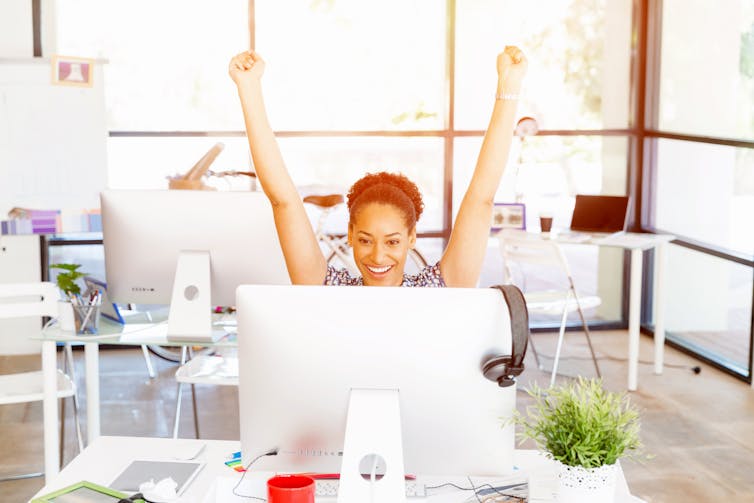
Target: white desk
[(103, 460), (110, 333), (636, 243)]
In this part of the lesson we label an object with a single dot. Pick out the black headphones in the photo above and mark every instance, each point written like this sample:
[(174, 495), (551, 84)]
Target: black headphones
[(503, 369)]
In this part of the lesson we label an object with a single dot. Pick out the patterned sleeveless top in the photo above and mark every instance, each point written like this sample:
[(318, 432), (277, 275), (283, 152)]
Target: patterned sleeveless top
[(429, 277)]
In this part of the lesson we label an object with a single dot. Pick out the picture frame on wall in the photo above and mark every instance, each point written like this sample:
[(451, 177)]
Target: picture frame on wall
[(508, 216), (72, 71)]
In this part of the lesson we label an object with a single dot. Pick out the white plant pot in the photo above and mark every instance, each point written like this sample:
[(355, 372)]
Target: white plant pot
[(65, 316), (586, 485)]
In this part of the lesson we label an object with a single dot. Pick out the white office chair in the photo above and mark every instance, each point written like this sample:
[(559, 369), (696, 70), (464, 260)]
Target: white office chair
[(24, 300), (522, 248), (219, 368)]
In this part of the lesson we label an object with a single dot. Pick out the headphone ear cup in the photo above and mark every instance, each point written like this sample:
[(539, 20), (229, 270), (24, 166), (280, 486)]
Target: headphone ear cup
[(503, 369), (496, 368)]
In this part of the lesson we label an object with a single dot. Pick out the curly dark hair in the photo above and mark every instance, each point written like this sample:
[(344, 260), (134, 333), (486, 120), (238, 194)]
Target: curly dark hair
[(387, 188)]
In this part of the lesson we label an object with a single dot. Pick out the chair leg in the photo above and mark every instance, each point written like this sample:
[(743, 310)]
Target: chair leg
[(22, 477), (196, 415), (77, 422), (561, 336), (177, 410), (61, 443), (179, 397), (148, 361), (534, 350), (586, 331), (193, 401), (71, 370)]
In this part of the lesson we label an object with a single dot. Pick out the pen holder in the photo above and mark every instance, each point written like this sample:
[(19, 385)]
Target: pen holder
[(86, 319)]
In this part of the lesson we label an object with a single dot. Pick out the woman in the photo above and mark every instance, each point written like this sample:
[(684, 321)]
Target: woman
[(383, 208)]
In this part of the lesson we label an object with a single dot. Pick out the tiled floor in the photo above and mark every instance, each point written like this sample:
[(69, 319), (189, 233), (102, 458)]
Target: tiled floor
[(699, 428)]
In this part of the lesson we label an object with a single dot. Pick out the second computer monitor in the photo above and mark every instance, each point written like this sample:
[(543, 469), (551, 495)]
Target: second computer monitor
[(302, 349), (145, 231)]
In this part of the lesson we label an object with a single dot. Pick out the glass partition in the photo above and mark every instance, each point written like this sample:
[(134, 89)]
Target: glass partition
[(710, 311), (706, 192)]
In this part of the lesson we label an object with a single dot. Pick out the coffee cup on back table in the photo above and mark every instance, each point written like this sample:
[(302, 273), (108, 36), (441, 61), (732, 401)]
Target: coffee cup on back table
[(545, 221)]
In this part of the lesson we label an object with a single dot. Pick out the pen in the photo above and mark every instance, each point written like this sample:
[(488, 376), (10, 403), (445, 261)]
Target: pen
[(86, 318)]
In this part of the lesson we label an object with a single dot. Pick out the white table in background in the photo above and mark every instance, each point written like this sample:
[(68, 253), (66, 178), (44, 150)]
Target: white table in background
[(637, 243), (103, 460), (109, 333)]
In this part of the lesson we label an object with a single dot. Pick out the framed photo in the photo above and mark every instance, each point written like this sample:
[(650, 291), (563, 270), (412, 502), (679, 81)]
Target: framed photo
[(71, 71), (508, 216)]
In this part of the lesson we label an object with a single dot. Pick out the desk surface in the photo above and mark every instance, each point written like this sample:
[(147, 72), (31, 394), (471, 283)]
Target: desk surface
[(626, 240), (103, 460), (130, 334)]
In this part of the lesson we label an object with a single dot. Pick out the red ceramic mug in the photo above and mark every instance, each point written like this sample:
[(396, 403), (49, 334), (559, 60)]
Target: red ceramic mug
[(290, 489)]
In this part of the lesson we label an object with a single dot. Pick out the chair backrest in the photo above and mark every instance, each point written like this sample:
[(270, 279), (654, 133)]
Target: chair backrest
[(18, 300), (528, 248)]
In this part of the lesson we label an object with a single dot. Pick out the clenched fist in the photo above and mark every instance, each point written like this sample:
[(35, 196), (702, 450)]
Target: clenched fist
[(511, 68), (245, 68)]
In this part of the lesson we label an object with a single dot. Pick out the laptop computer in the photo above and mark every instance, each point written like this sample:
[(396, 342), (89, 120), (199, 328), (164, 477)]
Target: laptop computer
[(596, 217)]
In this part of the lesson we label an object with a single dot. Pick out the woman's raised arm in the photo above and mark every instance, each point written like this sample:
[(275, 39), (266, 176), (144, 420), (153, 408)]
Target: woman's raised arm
[(461, 263), (303, 257)]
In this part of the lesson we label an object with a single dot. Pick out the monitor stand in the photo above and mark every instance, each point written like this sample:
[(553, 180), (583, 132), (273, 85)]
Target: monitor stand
[(190, 317), (373, 434)]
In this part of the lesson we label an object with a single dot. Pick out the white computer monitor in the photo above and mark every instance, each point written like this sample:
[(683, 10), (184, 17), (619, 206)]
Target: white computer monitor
[(222, 239), (303, 348)]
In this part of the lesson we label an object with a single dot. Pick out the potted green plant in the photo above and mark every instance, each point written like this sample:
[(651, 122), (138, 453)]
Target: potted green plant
[(66, 279), (586, 429), (66, 282)]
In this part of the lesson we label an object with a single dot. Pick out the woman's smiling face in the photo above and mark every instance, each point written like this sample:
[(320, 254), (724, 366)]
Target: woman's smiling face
[(380, 240)]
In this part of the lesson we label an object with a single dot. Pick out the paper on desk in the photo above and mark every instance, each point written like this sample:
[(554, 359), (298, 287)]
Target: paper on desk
[(145, 332), (221, 489)]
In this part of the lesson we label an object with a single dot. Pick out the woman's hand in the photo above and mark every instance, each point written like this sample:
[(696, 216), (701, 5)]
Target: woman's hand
[(246, 68), (511, 68)]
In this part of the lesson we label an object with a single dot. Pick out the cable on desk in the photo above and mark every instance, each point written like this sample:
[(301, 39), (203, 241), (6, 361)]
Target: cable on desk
[(478, 488), (271, 452)]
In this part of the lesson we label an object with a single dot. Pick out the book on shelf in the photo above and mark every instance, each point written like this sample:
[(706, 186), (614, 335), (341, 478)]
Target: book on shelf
[(32, 221)]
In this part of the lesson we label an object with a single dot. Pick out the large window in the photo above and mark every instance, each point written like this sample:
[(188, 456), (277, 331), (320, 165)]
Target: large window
[(356, 86), (700, 178), (353, 65), (579, 60), (709, 39)]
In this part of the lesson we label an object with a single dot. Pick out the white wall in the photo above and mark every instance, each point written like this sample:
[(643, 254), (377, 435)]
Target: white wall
[(16, 30), (19, 263), (53, 139)]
